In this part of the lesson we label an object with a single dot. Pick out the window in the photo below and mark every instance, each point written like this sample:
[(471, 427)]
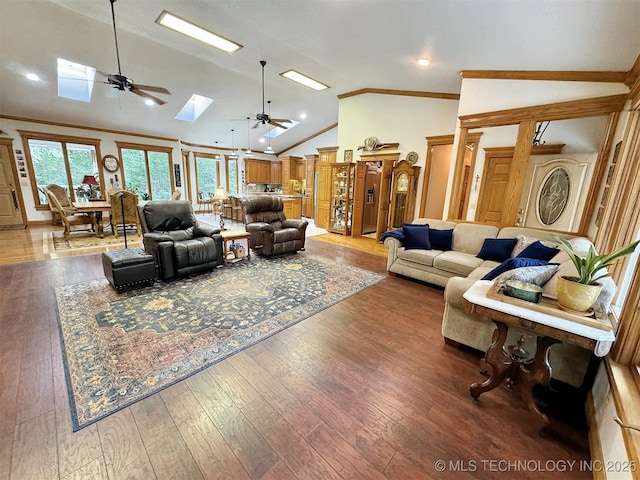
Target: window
[(146, 170), (60, 160), (232, 176), (207, 175)]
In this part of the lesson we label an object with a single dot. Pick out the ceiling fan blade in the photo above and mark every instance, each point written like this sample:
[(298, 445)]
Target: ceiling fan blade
[(281, 120), (151, 88), (276, 124), (142, 94), (257, 125)]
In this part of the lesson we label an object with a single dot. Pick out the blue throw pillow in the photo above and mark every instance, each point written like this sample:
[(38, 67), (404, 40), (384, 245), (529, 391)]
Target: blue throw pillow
[(441, 239), (539, 251), (512, 263), (497, 249), (416, 236)]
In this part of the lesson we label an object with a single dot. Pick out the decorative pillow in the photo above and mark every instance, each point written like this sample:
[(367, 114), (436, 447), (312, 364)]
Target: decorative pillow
[(537, 275), (497, 249), (441, 239), (416, 236), (514, 263), (539, 251), (523, 242)]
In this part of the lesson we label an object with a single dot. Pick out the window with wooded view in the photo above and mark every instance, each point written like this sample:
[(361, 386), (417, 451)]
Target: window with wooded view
[(146, 171)]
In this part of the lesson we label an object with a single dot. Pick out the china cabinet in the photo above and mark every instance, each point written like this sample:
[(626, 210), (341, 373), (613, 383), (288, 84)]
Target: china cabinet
[(342, 179)]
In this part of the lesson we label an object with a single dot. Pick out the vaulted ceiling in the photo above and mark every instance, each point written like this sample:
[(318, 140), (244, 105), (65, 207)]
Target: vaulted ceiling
[(348, 45)]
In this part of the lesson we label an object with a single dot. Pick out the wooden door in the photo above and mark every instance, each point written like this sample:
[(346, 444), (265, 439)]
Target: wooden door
[(495, 181), (358, 199), (326, 156), (11, 208), (385, 193), (310, 175)]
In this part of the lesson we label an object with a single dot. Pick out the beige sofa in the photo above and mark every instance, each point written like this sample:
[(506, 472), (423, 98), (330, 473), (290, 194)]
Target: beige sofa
[(459, 268)]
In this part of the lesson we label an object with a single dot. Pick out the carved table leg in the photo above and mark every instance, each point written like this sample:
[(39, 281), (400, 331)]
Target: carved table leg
[(538, 373), (499, 365), (100, 232)]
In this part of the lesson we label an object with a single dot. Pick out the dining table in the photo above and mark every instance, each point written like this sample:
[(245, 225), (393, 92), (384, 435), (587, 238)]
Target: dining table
[(97, 209)]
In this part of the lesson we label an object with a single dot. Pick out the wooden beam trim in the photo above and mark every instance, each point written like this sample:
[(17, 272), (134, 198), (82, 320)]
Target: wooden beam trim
[(597, 178), (84, 127), (590, 107), (310, 137), (405, 93), (548, 75)]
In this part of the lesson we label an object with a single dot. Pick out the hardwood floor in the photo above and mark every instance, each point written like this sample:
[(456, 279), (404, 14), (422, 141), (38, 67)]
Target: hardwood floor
[(364, 389)]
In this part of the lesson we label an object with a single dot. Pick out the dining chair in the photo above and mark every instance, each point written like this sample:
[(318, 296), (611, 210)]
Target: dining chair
[(128, 202), (67, 216)]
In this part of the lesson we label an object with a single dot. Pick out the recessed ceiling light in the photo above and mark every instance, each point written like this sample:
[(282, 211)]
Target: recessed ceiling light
[(303, 116), (149, 102), (304, 80), (423, 62), (189, 29), (33, 77)]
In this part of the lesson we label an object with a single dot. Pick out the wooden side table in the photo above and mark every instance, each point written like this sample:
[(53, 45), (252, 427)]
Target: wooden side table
[(232, 235), (549, 329)]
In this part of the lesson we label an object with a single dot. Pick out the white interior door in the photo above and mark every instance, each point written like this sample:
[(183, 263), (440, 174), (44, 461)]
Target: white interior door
[(556, 190)]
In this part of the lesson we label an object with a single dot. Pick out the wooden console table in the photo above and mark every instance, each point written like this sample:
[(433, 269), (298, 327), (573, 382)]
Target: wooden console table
[(547, 323)]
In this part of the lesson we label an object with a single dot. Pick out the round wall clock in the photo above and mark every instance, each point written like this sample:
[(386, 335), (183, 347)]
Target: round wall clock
[(111, 163), (412, 158)]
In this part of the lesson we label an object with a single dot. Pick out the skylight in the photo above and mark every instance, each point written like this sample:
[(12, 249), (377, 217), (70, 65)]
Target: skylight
[(304, 80), (277, 131), (75, 81), (189, 29), (194, 108)]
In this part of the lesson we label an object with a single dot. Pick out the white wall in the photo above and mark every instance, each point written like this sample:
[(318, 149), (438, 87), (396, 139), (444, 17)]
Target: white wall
[(488, 95), (406, 120), (327, 139)]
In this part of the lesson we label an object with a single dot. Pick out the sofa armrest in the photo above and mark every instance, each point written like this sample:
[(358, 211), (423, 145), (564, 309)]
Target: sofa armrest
[(205, 231), (392, 244), (298, 223), (157, 237), (456, 286), (259, 227)]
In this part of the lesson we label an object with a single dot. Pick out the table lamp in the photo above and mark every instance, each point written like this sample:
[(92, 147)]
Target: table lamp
[(90, 180), (219, 196)]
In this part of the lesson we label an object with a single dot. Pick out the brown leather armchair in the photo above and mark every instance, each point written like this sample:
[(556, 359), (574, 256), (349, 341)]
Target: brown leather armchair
[(172, 235), (271, 232)]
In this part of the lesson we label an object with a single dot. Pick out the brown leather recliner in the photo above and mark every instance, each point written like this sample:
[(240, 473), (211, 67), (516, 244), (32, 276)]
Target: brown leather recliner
[(172, 235), (271, 232)]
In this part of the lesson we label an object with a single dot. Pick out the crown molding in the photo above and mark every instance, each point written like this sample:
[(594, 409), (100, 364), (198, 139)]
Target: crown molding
[(549, 75), (403, 93)]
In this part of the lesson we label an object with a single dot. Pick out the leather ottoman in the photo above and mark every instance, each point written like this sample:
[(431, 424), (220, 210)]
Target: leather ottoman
[(129, 268)]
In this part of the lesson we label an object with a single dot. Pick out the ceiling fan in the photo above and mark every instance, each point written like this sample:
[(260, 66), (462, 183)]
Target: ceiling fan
[(264, 118), (122, 82)]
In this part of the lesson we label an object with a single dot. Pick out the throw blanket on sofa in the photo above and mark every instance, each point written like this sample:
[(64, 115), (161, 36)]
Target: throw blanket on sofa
[(396, 233)]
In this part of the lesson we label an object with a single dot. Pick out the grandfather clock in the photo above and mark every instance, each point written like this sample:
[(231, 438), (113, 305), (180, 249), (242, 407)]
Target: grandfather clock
[(403, 193)]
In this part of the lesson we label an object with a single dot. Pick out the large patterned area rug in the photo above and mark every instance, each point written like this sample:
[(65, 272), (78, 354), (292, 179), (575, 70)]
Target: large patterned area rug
[(120, 348)]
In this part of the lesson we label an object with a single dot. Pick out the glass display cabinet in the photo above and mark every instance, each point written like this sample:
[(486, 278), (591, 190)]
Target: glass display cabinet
[(342, 179)]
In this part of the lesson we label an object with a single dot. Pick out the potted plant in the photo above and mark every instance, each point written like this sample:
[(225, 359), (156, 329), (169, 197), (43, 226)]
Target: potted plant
[(581, 292)]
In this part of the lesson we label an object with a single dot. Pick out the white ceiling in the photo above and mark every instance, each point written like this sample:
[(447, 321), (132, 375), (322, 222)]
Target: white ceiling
[(347, 44)]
